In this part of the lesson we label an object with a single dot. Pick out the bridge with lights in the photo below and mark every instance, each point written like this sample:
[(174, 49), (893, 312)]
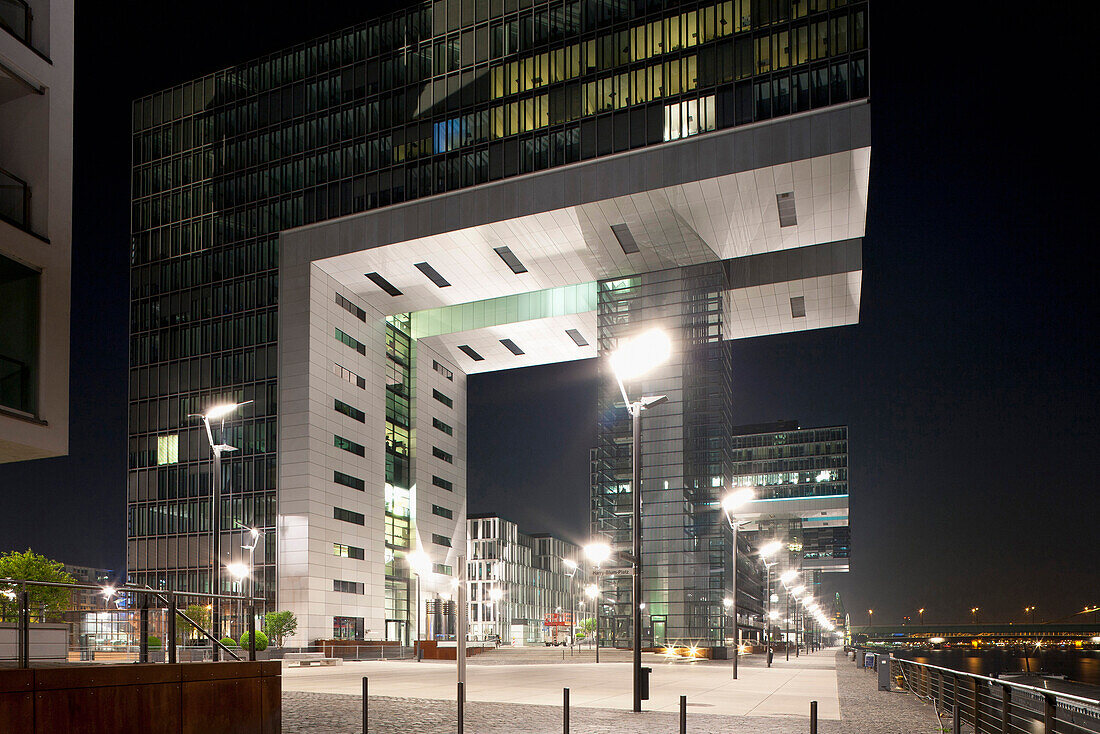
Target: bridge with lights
[(1082, 634)]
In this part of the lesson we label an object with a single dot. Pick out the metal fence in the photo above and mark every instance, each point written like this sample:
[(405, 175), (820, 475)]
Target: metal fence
[(994, 706)]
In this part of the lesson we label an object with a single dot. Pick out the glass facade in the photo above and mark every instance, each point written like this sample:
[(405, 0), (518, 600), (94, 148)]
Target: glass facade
[(437, 97), (783, 461), (687, 542)]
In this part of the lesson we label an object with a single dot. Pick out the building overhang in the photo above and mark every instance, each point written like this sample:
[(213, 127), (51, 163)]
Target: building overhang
[(785, 201)]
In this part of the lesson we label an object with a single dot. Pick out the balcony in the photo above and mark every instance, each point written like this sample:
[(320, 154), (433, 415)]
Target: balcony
[(15, 198), (15, 18)]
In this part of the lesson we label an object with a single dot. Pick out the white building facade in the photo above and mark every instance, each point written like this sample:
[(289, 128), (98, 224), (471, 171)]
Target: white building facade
[(36, 168)]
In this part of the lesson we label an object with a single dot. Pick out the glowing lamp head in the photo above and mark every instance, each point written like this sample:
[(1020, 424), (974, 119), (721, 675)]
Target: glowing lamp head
[(218, 412), (597, 552), (237, 570), (639, 355), (798, 589), (592, 591), (569, 563), (788, 576), (770, 549), (496, 594), (727, 602), (736, 499), (419, 562)]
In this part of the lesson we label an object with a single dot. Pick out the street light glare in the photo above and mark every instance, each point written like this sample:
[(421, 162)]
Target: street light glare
[(496, 594), (597, 552), (239, 570), (770, 549), (788, 576), (419, 561), (220, 411), (592, 591), (569, 563), (639, 355), (798, 589), (735, 499)]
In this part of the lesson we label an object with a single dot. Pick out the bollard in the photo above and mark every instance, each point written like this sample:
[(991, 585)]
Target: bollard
[(143, 630), (24, 629), (170, 643), (813, 717), (565, 711), (956, 718), (683, 714), (364, 704)]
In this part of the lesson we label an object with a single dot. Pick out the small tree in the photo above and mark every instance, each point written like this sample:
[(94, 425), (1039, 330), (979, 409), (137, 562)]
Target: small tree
[(279, 626), (201, 616), (229, 642), (30, 566), (261, 641)]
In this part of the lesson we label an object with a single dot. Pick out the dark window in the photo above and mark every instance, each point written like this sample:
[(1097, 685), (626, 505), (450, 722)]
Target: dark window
[(469, 352), (351, 341), (441, 539), (351, 308), (443, 398), (442, 455), (575, 335), (356, 518), (433, 274), (443, 512), (348, 551), (350, 412), (441, 482), (436, 423), (347, 628), (443, 370), (348, 480), (347, 587), (384, 284), (442, 568), (512, 347), (510, 260), (342, 443), (19, 288)]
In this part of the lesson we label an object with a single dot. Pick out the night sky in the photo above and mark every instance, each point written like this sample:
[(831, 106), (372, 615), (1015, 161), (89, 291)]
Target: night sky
[(969, 385)]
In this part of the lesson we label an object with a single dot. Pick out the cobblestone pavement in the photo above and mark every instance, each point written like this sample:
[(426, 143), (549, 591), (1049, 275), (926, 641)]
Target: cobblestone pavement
[(864, 710)]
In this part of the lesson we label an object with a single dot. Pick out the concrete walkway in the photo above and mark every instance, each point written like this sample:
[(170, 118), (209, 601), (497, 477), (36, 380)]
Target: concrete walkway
[(783, 691)]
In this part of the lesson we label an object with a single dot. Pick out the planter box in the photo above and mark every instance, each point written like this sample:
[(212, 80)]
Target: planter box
[(49, 641)]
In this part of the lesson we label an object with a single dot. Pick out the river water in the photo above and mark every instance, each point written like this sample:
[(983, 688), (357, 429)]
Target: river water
[(1082, 666)]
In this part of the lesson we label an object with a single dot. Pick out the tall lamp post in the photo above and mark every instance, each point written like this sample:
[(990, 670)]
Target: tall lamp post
[(765, 552), (218, 413), (730, 503), (786, 578), (593, 592), (495, 595), (920, 615), (420, 563), (570, 564), (633, 359)]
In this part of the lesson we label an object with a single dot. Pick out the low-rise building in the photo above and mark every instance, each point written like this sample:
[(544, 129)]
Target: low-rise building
[(524, 588)]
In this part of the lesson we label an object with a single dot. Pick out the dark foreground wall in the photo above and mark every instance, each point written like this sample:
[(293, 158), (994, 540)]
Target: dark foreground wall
[(185, 698)]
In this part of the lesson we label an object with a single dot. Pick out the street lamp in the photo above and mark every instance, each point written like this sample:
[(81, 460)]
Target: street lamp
[(974, 614), (571, 565), (730, 503), (495, 595), (1029, 613), (420, 563), (870, 614), (593, 593), (786, 578), (634, 358), (217, 413), (920, 613), (765, 552)]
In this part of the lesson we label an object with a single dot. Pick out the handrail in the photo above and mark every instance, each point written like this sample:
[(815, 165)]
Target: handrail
[(128, 589), (1001, 682)]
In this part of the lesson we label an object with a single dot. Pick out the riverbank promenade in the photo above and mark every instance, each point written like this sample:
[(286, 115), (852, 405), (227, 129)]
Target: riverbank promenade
[(527, 698)]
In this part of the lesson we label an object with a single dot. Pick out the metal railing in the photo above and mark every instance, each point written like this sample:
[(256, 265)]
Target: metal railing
[(149, 611), (15, 17), (15, 195), (994, 706)]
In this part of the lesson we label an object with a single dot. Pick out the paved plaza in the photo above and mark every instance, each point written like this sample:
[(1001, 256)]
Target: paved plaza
[(526, 699), (783, 690)]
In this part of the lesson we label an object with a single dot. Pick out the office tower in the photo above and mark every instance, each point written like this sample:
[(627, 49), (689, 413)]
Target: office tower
[(340, 232)]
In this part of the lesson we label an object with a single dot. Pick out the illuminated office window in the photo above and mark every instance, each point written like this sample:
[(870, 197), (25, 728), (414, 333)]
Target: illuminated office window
[(168, 449)]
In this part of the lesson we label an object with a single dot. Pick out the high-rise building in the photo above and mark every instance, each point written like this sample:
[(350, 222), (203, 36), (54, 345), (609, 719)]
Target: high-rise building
[(340, 232), (518, 582), (36, 175), (800, 476)]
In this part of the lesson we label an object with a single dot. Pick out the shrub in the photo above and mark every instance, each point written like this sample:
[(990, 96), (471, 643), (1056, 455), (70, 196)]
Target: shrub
[(261, 641), (153, 642), (229, 642)]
